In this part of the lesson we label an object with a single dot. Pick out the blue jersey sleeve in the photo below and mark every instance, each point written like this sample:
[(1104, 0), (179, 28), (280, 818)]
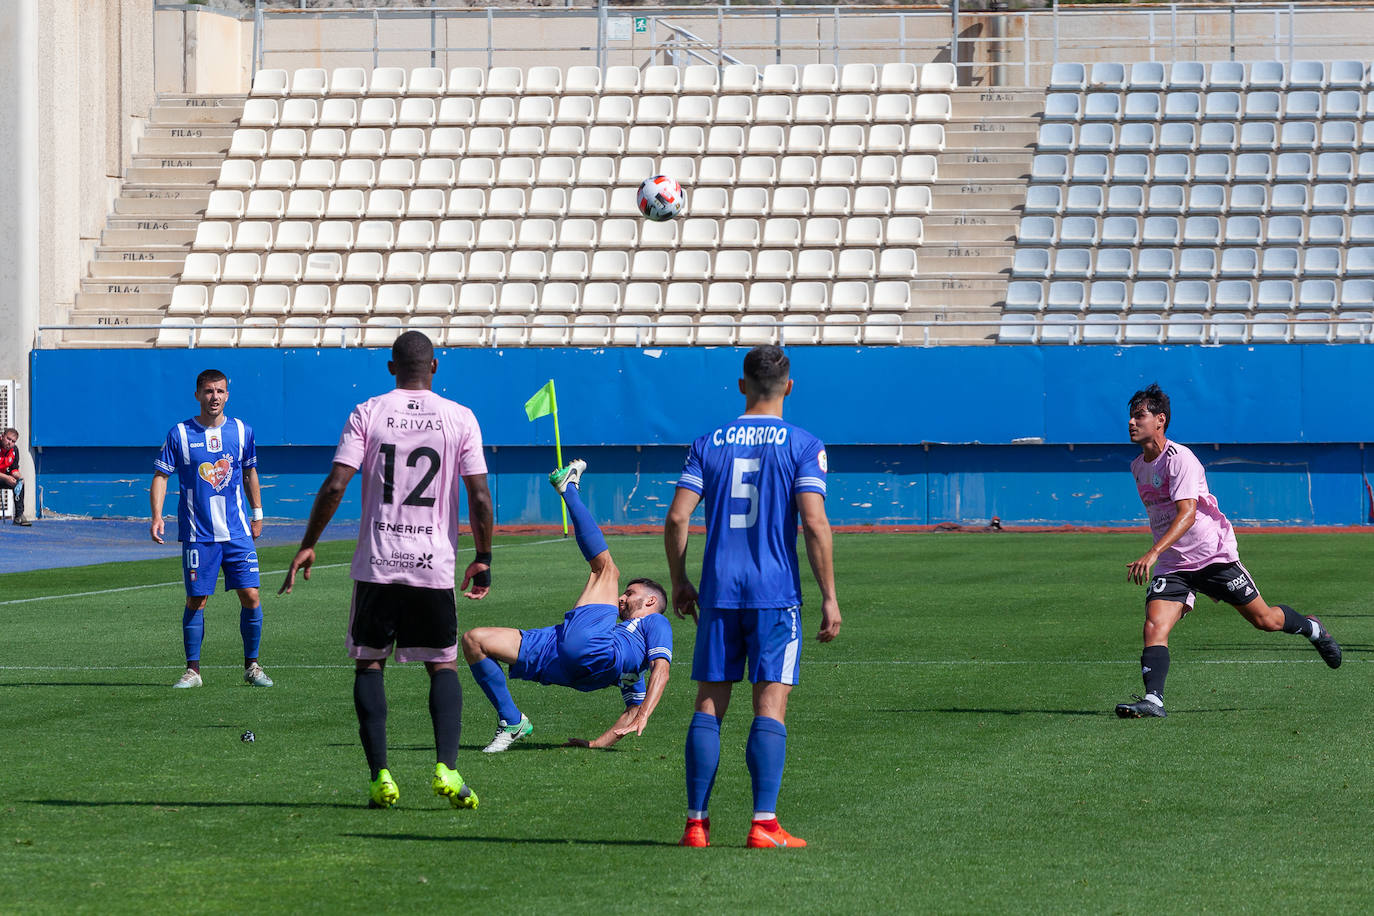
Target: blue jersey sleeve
[(693, 477), (167, 459), (633, 694), (250, 450), (658, 638), (811, 467)]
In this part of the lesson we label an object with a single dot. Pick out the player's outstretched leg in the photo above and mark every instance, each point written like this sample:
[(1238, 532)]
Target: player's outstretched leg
[(1312, 628), (589, 537), (765, 752)]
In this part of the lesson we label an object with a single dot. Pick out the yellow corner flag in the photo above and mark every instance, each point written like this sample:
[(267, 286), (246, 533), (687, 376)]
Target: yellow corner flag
[(545, 403), (542, 403)]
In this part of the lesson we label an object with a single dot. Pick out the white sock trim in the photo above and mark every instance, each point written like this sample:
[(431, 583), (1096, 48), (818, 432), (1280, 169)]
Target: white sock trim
[(1158, 701), (696, 815), (765, 815)]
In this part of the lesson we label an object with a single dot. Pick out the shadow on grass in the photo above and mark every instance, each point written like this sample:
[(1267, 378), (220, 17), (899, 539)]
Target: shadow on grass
[(522, 840), (79, 684), (522, 746), (1293, 648), (1108, 712)]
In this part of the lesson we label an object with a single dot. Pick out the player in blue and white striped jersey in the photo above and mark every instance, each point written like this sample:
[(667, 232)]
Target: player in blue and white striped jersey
[(758, 475), (216, 465)]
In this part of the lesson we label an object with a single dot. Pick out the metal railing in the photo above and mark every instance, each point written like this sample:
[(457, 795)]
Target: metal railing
[(1209, 335), (997, 48)]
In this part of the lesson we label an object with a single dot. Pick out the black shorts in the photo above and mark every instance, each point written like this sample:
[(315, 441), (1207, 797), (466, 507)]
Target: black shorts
[(422, 623), (1229, 582)]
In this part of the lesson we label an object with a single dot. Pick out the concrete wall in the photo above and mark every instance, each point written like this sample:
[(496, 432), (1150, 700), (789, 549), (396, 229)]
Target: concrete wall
[(75, 89)]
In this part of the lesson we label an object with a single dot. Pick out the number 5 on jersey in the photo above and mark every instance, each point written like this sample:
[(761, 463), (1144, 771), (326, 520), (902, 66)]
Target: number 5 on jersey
[(739, 489)]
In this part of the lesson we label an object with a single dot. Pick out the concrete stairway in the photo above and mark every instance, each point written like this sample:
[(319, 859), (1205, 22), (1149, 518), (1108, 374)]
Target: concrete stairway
[(146, 238), (971, 230)]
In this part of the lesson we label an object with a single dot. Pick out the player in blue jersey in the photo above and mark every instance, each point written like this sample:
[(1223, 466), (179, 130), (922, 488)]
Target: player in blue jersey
[(610, 637), (216, 465), (758, 474)]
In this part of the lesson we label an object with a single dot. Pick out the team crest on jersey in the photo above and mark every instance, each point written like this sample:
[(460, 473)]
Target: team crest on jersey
[(212, 440), (1156, 481), (821, 460), (216, 475)]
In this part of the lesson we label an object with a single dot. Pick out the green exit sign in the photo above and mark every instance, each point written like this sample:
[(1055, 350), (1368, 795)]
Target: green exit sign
[(641, 23)]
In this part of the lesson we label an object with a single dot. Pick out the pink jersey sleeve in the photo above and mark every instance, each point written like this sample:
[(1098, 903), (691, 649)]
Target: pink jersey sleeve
[(471, 460), (350, 449), (1186, 477)]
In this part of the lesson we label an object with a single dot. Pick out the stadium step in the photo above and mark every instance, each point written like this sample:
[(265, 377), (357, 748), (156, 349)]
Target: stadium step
[(174, 175), (941, 228), (152, 231), (996, 104), (135, 271), (984, 164), (184, 146), (172, 111), (182, 206), (974, 194), (97, 294)]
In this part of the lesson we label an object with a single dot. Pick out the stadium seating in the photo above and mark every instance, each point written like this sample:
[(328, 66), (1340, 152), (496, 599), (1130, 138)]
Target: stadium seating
[(1228, 192), (509, 193)]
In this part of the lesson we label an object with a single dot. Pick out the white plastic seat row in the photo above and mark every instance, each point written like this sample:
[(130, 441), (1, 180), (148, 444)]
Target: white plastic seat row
[(1112, 76), (742, 78), (1310, 136)]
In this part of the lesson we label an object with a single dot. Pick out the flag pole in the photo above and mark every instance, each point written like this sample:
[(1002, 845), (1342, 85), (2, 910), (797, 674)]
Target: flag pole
[(558, 447)]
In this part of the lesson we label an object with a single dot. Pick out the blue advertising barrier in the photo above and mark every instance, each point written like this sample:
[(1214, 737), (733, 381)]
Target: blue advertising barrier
[(916, 436)]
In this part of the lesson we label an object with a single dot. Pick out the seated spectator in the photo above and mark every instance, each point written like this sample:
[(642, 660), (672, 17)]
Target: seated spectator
[(10, 478)]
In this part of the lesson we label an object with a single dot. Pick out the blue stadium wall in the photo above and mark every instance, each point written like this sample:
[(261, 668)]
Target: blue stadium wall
[(1034, 435)]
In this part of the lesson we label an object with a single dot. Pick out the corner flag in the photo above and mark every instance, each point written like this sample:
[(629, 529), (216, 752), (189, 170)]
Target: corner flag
[(544, 403)]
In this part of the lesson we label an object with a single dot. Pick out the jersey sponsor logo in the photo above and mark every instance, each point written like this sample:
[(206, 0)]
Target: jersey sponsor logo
[(750, 435), (823, 462), (402, 560), (216, 475), (399, 528), (1238, 583), (1159, 584)]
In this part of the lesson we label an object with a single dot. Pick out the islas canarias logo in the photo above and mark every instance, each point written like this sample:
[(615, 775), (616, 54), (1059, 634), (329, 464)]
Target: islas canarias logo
[(217, 475)]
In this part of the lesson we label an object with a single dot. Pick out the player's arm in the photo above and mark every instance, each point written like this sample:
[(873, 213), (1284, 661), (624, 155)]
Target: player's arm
[(253, 487), (157, 494), (326, 504), (675, 536), (1139, 571), (481, 524), (820, 552), (639, 718)]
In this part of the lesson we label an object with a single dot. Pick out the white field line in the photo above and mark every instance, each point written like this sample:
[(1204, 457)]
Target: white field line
[(347, 664), (180, 584)]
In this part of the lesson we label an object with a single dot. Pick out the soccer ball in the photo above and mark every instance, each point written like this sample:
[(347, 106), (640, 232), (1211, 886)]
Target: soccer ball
[(661, 198), (248, 737)]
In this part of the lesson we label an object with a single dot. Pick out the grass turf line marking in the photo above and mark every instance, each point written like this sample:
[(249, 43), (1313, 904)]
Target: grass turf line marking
[(270, 572), (968, 663)]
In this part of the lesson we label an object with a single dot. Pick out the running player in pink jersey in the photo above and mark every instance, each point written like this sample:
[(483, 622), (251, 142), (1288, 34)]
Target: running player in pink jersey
[(412, 447), (1194, 551)]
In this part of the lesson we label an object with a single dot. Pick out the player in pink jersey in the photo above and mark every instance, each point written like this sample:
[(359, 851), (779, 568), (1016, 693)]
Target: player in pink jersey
[(1194, 551), (412, 447)]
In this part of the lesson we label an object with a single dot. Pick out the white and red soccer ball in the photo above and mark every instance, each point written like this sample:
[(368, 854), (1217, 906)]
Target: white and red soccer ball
[(661, 198)]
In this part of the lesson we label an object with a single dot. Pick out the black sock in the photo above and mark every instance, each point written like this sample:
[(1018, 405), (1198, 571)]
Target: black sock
[(1154, 668), (1293, 622), (446, 709), (369, 699)]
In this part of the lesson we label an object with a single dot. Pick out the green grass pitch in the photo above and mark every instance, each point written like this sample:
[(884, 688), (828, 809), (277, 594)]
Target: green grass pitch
[(955, 750)]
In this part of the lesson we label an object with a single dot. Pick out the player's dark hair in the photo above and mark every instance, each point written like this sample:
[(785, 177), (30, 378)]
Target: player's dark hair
[(656, 588), (210, 375), (766, 369), (8, 430), (1154, 400), (412, 351)]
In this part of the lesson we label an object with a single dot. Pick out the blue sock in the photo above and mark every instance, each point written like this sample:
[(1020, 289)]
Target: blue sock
[(192, 632), (589, 536), (492, 680), (250, 628), (703, 759), (765, 753)]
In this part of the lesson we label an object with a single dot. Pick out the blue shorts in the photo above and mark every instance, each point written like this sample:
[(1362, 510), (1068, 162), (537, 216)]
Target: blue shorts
[(577, 653), (770, 638), (201, 562)]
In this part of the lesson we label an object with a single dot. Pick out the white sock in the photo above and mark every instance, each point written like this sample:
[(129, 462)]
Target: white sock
[(1158, 701), (765, 815), (696, 815)]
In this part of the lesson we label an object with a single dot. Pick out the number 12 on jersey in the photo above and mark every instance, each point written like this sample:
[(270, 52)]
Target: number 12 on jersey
[(416, 497), (739, 489)]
